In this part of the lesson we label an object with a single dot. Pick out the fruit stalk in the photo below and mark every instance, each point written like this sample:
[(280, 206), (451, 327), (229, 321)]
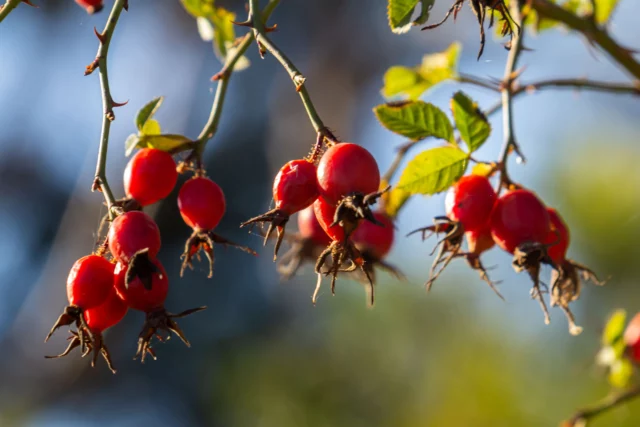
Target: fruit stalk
[(259, 31), (223, 77), (507, 98), (582, 417), (100, 182)]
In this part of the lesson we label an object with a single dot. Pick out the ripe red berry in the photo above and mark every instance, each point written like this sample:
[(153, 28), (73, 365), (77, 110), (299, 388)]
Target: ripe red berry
[(310, 228), (91, 6), (136, 295), (107, 314), (558, 237), (632, 338), (324, 213), (295, 186), (132, 232), (347, 168), (479, 241), (150, 176), (90, 281), (374, 239), (201, 203), (519, 217), (470, 202)]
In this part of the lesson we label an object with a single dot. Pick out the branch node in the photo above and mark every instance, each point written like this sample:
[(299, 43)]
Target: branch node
[(92, 67)]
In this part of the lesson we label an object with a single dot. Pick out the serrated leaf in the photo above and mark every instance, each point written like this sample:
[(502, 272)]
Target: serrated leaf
[(223, 30), (403, 80), (434, 171), (205, 29), (614, 328), (166, 142), (620, 373), (151, 127), (413, 82), (472, 124), (130, 144), (148, 111), (415, 120), (199, 8), (399, 13)]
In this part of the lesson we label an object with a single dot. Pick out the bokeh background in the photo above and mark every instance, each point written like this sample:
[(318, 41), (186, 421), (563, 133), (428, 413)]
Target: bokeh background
[(262, 354)]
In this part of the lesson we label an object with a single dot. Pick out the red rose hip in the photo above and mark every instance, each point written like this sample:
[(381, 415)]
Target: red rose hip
[(519, 217), (470, 202), (150, 176), (347, 168), (202, 203), (131, 233)]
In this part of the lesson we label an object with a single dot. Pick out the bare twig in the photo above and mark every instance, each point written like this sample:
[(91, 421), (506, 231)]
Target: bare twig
[(478, 81), (256, 21), (100, 181), (509, 140), (583, 416), (223, 77), (595, 34)]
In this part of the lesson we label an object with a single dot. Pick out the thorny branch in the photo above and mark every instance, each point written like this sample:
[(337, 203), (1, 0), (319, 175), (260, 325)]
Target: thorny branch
[(256, 21), (583, 416), (223, 77), (9, 5), (595, 34), (510, 73), (100, 181)]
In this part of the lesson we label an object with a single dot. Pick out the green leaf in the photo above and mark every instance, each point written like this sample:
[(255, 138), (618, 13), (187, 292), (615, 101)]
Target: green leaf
[(472, 124), (197, 8), (399, 13), (148, 111), (151, 127), (604, 9), (130, 144), (413, 82), (620, 373), (415, 120), (614, 328), (424, 13), (166, 142), (395, 200), (223, 30), (403, 80), (434, 170)]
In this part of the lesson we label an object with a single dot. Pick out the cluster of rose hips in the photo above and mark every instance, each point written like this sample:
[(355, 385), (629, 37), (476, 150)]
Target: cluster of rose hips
[(520, 224), (333, 194), (124, 272)]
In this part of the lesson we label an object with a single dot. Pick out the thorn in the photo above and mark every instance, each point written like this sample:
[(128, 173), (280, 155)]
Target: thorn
[(100, 36), (28, 2), (247, 23), (271, 29), (119, 104), (126, 5)]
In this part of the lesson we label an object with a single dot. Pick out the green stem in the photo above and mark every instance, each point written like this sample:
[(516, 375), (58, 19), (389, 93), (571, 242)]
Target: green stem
[(507, 94), (296, 76), (582, 417), (100, 181), (223, 77), (593, 33), (6, 9)]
